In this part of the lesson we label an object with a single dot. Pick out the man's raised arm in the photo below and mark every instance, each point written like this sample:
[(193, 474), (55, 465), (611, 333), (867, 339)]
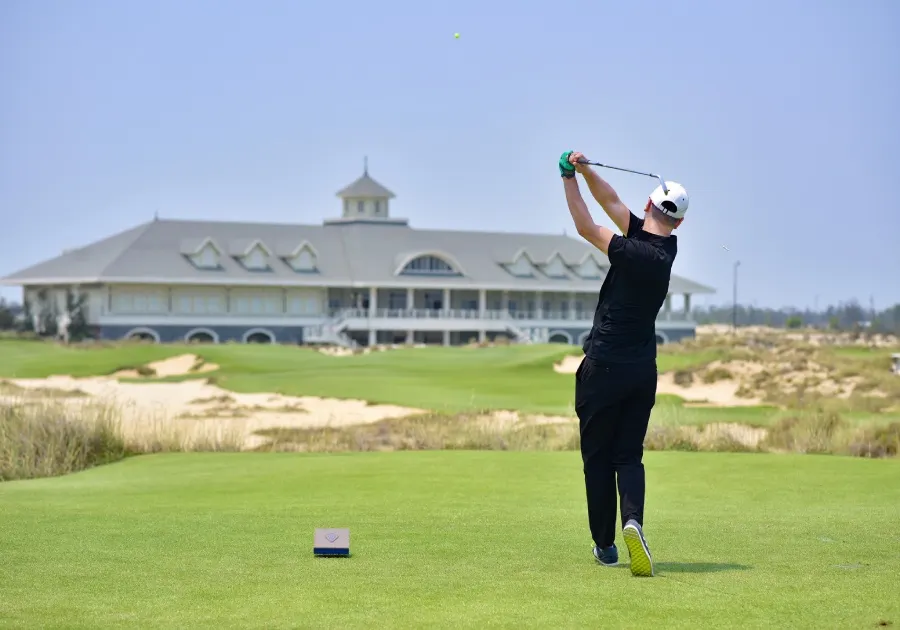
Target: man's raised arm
[(605, 195), (596, 235)]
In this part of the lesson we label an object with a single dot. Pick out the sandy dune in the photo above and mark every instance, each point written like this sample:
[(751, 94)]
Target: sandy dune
[(721, 394), (196, 409)]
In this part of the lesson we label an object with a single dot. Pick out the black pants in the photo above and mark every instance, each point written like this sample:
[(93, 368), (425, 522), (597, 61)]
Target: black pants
[(613, 403)]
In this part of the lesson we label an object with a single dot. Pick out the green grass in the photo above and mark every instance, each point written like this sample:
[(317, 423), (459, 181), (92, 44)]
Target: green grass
[(444, 380), (447, 539), (441, 379)]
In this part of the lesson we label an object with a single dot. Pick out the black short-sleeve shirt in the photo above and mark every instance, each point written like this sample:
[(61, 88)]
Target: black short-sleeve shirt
[(635, 288)]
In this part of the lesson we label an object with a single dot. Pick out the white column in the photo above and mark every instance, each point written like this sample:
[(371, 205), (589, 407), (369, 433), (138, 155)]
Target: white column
[(446, 302), (410, 337), (667, 306), (572, 305), (373, 305), (504, 301), (687, 304), (539, 305), (482, 307), (410, 299), (446, 337)]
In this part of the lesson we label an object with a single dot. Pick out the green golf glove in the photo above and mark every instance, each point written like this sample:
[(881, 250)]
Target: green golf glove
[(565, 167)]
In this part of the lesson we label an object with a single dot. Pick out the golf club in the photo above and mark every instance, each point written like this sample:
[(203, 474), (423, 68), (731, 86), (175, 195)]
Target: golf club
[(627, 170)]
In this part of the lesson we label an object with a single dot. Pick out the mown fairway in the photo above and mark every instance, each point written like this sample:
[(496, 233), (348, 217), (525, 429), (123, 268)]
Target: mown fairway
[(450, 539), (437, 378)]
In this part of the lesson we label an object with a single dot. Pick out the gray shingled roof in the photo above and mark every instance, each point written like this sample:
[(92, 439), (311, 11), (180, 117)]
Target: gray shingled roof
[(348, 254), (365, 187)]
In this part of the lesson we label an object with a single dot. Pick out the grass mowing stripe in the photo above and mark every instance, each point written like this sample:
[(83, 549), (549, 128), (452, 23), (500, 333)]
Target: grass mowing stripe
[(455, 539)]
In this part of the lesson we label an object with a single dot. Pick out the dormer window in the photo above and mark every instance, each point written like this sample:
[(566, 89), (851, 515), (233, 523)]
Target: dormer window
[(556, 268), (252, 254), (522, 266), (207, 258), (302, 257), (256, 260), (202, 253)]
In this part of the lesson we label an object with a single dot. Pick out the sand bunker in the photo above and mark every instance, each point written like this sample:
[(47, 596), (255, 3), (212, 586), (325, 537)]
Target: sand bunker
[(182, 365), (197, 410), (197, 406), (569, 365)]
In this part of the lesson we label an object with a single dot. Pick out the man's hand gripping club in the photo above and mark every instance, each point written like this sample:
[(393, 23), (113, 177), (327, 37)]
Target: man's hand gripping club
[(596, 235)]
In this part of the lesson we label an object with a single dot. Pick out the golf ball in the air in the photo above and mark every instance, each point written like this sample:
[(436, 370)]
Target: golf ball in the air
[(456, 35)]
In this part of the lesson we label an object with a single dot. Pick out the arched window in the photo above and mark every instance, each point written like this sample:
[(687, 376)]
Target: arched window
[(429, 265)]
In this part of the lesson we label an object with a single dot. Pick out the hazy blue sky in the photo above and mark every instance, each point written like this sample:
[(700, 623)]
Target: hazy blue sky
[(781, 118)]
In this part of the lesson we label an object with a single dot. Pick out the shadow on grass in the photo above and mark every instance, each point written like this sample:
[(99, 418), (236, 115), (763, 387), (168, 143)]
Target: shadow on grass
[(699, 567)]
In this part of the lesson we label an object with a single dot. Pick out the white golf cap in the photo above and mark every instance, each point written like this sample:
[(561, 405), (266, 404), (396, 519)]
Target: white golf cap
[(674, 203)]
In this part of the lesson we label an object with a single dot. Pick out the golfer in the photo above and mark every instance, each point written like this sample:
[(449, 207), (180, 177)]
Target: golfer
[(615, 384)]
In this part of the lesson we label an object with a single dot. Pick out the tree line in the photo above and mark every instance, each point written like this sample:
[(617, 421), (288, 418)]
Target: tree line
[(849, 315)]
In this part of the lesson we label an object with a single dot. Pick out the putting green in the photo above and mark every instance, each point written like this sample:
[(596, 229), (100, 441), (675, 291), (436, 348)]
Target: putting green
[(450, 539)]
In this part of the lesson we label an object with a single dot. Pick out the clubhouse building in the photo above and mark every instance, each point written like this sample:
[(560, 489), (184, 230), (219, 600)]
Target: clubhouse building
[(362, 279)]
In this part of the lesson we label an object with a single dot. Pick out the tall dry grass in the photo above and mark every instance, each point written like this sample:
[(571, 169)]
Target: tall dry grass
[(429, 431), (48, 437), (51, 436)]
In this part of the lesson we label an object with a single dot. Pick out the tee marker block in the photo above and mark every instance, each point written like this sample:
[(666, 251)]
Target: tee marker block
[(331, 542)]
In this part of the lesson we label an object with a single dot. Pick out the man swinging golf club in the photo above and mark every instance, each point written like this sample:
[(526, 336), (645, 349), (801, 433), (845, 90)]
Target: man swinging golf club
[(615, 385)]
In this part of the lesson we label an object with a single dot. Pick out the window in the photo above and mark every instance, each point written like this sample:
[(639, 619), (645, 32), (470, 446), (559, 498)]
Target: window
[(140, 302), (256, 304), (200, 303), (556, 268), (304, 305), (397, 300), (360, 207), (206, 258), (521, 268), (429, 265), (304, 261), (256, 260)]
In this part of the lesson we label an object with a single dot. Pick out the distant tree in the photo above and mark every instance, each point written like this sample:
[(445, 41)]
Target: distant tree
[(7, 315), (794, 321), (75, 325)]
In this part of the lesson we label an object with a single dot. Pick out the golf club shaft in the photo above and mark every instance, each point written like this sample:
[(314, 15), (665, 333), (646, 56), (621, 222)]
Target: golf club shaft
[(627, 170)]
